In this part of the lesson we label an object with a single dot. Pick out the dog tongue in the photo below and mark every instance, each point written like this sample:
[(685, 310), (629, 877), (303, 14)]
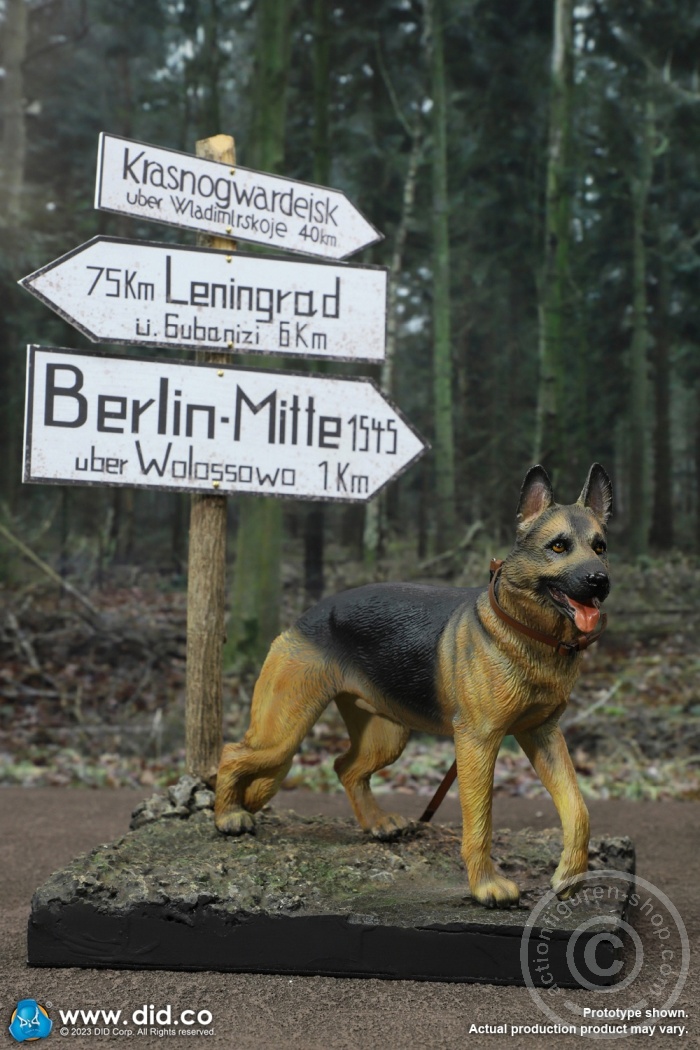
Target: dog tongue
[(585, 616)]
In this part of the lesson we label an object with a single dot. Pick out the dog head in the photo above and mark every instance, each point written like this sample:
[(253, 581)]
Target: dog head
[(560, 554)]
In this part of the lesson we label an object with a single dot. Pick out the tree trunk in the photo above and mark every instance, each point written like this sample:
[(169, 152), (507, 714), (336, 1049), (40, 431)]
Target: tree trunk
[(375, 511), (322, 92), (270, 87), (661, 532), (257, 585), (697, 469), (188, 20), (11, 423), (64, 531), (442, 350), (549, 432), (126, 108), (178, 551), (122, 526), (638, 425), (212, 113), (14, 139), (315, 518), (314, 546)]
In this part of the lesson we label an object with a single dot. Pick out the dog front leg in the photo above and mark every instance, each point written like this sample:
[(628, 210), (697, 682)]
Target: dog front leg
[(476, 758), (546, 748)]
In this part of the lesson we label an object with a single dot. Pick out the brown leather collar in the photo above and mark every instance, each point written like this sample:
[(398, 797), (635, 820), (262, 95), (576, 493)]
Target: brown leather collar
[(561, 647)]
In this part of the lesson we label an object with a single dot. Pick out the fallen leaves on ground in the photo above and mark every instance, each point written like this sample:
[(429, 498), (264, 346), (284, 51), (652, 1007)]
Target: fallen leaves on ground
[(103, 705)]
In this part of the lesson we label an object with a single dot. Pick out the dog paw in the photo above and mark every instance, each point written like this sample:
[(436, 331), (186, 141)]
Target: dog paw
[(236, 822), (390, 826), (566, 885), (568, 878), (496, 892)]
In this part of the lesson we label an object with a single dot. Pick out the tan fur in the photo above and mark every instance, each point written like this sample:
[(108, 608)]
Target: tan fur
[(491, 681)]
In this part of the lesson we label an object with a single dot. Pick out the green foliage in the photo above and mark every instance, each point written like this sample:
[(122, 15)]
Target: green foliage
[(172, 71)]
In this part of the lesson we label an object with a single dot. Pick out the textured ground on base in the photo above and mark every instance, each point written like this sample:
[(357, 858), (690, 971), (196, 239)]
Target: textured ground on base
[(176, 894)]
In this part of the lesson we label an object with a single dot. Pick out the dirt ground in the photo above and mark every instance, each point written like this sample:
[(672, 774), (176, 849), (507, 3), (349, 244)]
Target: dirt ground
[(42, 828)]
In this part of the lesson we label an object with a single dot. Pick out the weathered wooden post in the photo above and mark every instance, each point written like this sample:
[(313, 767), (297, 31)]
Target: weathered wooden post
[(206, 577)]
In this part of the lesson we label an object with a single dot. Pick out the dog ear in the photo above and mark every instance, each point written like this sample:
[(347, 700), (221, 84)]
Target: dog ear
[(535, 495), (597, 493)]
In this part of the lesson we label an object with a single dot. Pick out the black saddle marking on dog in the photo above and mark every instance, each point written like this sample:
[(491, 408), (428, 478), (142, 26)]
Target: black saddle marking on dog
[(389, 632)]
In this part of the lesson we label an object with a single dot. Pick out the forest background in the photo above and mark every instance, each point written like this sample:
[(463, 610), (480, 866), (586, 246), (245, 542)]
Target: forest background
[(535, 170)]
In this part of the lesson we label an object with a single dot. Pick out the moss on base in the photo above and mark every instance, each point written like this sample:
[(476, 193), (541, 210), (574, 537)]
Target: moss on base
[(297, 865)]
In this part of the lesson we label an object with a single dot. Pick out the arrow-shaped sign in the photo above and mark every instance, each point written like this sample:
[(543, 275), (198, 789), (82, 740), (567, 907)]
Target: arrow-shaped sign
[(165, 185), (206, 428), (145, 294)]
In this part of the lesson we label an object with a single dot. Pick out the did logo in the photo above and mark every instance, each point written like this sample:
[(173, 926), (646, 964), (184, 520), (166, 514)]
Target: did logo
[(29, 1021)]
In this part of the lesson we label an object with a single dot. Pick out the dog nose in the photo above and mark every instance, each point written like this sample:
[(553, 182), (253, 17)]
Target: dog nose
[(599, 585)]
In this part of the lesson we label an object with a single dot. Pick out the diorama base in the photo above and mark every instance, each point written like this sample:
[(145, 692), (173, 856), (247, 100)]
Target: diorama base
[(316, 895)]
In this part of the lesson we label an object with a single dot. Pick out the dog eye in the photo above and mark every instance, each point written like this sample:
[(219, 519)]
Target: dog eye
[(559, 547), (599, 547)]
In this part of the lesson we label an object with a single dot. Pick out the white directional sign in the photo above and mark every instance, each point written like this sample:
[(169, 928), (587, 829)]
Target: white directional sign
[(177, 189), (167, 425), (146, 294)]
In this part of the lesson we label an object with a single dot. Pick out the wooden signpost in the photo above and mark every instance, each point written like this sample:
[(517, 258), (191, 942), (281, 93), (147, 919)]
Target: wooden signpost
[(206, 583), (212, 428)]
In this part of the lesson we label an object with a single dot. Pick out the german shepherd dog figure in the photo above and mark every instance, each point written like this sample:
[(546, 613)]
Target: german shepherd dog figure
[(462, 662)]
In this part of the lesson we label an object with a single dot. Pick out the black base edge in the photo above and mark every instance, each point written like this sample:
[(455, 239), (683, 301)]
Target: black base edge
[(151, 937)]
